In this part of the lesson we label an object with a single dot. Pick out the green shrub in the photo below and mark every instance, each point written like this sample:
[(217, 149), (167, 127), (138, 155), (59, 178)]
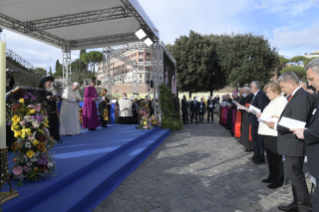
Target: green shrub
[(169, 116)]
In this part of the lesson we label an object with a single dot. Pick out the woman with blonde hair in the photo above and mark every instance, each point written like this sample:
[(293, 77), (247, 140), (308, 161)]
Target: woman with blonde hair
[(273, 109)]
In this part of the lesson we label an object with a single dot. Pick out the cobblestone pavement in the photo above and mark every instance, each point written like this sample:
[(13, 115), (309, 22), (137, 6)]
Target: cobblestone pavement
[(201, 168)]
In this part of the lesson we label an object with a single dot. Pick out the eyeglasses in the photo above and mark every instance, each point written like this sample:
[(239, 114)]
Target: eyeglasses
[(311, 79)]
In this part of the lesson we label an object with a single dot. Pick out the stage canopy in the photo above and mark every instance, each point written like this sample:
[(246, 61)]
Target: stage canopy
[(77, 24)]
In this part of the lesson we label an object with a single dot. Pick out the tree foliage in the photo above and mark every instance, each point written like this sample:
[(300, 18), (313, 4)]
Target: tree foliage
[(40, 71), (210, 62), (299, 71), (91, 58), (169, 116)]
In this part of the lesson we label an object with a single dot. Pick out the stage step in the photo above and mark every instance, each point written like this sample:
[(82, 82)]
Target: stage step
[(87, 190)]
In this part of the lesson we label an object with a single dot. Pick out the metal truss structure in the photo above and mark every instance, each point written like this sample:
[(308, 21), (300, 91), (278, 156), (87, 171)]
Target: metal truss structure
[(14, 56), (66, 53), (81, 18)]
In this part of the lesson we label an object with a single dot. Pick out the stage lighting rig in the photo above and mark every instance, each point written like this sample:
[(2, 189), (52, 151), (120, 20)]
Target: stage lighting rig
[(148, 42), (140, 34)]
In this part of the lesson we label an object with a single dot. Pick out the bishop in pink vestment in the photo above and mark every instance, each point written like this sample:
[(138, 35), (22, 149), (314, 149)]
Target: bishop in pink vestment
[(90, 116)]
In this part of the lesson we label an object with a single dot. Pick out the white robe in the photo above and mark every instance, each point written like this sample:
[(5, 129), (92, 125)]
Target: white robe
[(125, 103), (69, 114)]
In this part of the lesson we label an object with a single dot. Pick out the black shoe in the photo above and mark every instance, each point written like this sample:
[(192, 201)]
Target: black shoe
[(292, 207), (248, 150), (253, 158), (267, 181), (275, 185), (258, 161)]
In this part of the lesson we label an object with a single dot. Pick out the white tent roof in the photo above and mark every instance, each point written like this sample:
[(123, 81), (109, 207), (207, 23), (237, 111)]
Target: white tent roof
[(82, 24)]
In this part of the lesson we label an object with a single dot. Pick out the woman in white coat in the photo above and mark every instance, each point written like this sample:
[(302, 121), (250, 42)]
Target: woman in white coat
[(273, 109), (69, 115)]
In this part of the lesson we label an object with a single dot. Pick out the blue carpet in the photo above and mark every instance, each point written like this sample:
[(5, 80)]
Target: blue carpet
[(89, 167)]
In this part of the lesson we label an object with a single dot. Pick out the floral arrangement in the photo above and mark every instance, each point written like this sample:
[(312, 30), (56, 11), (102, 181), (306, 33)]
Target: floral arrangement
[(33, 157), (145, 121)]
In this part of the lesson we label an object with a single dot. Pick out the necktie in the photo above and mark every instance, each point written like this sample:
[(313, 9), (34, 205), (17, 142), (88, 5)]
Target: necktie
[(290, 98)]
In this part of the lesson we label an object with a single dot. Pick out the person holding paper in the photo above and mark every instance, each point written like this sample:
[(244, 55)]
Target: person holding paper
[(311, 135), (125, 107), (69, 115), (274, 108), (259, 101), (210, 109), (103, 108), (298, 108), (194, 109), (90, 116)]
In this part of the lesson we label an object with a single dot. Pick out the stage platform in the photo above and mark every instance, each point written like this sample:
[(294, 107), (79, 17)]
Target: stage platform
[(90, 166)]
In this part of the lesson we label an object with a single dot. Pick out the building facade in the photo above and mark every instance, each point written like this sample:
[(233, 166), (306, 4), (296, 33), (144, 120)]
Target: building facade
[(312, 55), (122, 74)]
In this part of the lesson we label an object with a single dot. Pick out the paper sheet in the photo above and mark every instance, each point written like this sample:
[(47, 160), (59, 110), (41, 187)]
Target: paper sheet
[(254, 110), (236, 103), (292, 123), (265, 117)]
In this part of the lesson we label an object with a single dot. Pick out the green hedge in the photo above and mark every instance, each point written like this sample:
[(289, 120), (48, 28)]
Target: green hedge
[(169, 120)]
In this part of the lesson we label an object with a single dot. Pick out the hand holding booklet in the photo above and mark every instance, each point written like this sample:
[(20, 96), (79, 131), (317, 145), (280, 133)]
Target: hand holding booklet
[(267, 118), (291, 123), (254, 110)]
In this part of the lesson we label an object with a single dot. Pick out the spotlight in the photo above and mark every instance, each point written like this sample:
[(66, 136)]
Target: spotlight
[(140, 34), (148, 42)]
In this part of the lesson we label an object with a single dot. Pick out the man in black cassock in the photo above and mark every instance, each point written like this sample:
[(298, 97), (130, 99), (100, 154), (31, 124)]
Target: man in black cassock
[(46, 83), (184, 109), (210, 109)]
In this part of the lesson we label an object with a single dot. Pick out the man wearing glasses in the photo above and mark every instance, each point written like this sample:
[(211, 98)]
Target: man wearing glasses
[(311, 134)]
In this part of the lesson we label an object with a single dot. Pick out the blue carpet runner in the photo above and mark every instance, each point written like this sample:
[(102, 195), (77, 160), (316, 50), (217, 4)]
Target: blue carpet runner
[(90, 166)]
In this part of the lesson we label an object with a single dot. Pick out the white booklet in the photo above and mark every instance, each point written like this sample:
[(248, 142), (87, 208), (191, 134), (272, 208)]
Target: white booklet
[(236, 103), (254, 110), (265, 117), (291, 123)]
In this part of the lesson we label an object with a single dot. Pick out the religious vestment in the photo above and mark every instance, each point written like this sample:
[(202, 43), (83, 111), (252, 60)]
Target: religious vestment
[(69, 114), (125, 109), (246, 127), (90, 116), (104, 110)]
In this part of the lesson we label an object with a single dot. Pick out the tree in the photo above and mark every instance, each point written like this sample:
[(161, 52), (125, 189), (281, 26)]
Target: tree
[(40, 71), (57, 65), (247, 57), (50, 72), (198, 67), (298, 70), (92, 58)]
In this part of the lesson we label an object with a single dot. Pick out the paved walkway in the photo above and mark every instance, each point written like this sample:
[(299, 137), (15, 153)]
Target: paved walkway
[(201, 168)]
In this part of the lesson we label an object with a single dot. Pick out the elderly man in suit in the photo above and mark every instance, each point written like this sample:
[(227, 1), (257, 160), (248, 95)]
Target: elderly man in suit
[(210, 109), (299, 108), (311, 135), (260, 100)]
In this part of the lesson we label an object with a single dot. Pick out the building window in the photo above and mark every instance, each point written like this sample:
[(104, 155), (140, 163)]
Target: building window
[(140, 53), (140, 76), (140, 60), (148, 54), (141, 68)]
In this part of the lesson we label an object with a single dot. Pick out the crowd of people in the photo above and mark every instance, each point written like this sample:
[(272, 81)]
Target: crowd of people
[(256, 117)]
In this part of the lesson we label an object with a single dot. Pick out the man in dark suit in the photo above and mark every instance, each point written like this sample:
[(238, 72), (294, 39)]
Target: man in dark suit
[(260, 101), (201, 109), (217, 99), (184, 109), (210, 109), (311, 135), (298, 108), (194, 109)]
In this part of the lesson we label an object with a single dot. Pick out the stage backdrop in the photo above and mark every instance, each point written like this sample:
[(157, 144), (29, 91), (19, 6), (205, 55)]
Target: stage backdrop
[(170, 74)]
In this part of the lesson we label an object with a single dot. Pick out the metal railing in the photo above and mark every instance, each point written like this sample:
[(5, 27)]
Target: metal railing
[(17, 58)]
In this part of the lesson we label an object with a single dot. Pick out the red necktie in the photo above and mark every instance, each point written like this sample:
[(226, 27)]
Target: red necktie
[(290, 98)]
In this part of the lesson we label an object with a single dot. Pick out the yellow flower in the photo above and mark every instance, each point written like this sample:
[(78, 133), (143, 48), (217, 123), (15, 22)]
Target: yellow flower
[(46, 121), (21, 100), (15, 119), (28, 131), (45, 125), (24, 133), (15, 127), (32, 111), (145, 123), (35, 142), (30, 154), (17, 134), (41, 131)]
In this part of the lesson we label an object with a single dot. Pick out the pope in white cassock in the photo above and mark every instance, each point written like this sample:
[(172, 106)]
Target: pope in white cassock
[(69, 115), (125, 107)]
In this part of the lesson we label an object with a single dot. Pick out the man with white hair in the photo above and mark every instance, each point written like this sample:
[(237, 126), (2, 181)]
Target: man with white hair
[(69, 115)]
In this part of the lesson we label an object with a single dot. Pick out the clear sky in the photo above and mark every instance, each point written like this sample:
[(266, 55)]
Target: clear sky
[(292, 26)]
